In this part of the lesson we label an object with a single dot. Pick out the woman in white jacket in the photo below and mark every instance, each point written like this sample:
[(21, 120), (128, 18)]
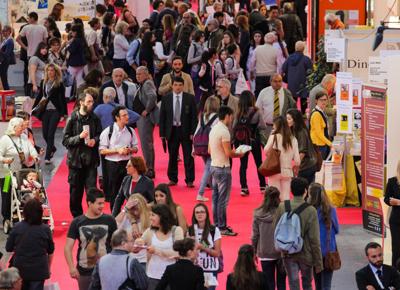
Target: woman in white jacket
[(287, 144)]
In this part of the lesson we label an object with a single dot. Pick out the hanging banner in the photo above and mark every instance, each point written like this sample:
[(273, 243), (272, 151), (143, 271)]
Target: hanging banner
[(373, 156)]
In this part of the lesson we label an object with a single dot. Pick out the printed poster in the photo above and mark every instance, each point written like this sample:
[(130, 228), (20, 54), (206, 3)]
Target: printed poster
[(356, 88), (373, 156)]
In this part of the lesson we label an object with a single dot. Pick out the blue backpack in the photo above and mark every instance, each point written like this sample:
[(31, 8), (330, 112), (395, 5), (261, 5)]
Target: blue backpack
[(287, 234)]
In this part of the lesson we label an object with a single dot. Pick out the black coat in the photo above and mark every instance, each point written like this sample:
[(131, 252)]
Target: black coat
[(188, 115), (56, 96), (110, 83), (365, 277), (31, 244), (182, 275), (79, 154), (145, 186), (393, 190)]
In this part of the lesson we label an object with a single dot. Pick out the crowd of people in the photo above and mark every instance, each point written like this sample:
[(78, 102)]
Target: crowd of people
[(211, 82)]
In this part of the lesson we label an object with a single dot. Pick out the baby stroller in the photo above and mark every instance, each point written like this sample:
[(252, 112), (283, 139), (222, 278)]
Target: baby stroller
[(20, 196)]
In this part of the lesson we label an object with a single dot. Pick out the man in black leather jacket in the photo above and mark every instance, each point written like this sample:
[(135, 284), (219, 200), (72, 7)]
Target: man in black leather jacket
[(81, 138)]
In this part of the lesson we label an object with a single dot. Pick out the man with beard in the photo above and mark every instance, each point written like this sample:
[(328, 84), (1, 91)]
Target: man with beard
[(81, 138), (376, 275), (166, 82)]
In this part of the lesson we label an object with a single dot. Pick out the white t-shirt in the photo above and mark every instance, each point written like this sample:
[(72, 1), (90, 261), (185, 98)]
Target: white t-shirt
[(34, 34), (204, 260), (219, 134), (156, 265)]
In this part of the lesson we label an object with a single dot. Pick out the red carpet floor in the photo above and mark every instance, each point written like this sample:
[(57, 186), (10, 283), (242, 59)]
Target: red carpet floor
[(239, 211)]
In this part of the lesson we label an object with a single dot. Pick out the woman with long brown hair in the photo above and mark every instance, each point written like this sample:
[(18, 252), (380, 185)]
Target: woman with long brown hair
[(328, 228), (282, 139), (51, 91), (249, 117), (263, 239), (245, 275), (208, 241)]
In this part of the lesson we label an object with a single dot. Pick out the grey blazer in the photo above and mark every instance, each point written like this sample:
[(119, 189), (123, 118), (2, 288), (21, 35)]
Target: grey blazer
[(148, 96)]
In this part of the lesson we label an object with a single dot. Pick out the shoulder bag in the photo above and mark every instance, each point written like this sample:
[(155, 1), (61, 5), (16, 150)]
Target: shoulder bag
[(40, 108), (128, 284), (332, 260), (272, 164)]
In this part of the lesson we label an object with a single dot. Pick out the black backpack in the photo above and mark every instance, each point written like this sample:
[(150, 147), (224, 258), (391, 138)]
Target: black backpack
[(243, 132)]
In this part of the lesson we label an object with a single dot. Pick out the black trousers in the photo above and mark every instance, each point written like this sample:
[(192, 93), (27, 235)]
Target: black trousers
[(257, 155), (261, 83), (174, 142), (5, 201), (115, 173), (3, 76), (50, 121), (395, 233), (274, 273), (80, 179)]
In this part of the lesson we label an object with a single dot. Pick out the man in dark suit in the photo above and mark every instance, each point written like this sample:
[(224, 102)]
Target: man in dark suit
[(124, 96), (178, 122), (376, 275)]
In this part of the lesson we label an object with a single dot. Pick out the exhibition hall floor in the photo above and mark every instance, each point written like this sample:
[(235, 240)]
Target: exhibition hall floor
[(351, 240)]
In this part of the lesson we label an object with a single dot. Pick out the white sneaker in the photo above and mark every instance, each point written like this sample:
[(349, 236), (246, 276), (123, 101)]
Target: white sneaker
[(201, 198), (47, 161)]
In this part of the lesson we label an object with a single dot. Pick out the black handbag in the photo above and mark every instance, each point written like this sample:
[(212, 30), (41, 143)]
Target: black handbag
[(40, 108), (128, 284)]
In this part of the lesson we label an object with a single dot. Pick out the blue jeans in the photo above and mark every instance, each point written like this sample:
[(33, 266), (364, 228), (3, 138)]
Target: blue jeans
[(221, 184), (293, 268), (323, 280), (206, 175)]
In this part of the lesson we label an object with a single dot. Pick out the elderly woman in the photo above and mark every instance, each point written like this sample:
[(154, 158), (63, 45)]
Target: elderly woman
[(135, 182), (121, 46), (10, 279), (33, 247), (14, 150)]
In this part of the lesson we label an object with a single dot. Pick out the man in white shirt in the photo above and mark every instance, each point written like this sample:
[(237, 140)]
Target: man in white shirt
[(117, 143), (220, 150), (34, 33), (274, 101), (121, 88)]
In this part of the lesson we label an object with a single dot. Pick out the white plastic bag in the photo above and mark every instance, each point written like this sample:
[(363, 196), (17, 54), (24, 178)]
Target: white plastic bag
[(241, 84)]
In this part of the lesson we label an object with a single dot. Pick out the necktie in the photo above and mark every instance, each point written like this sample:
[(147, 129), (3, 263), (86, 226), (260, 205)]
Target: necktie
[(276, 104), (380, 275), (177, 113)]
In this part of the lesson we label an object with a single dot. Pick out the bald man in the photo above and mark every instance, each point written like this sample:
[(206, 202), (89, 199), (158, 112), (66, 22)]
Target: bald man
[(274, 101), (264, 63), (121, 88)]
